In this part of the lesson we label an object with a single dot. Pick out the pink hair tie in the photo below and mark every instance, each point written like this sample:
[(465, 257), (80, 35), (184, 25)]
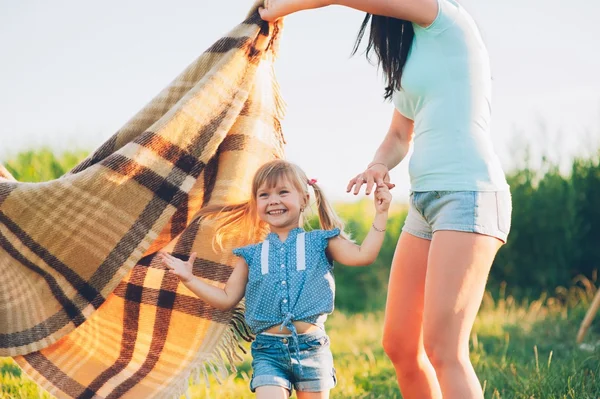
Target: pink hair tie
[(312, 182)]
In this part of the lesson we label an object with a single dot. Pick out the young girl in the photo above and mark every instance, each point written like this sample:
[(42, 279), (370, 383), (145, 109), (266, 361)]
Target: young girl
[(287, 279)]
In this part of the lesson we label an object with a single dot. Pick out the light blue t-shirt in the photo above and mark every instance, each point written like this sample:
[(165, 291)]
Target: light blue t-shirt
[(446, 91), (289, 281)]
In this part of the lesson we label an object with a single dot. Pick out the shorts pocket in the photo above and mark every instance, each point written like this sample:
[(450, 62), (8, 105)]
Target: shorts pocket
[(317, 343), (504, 210), (258, 346)]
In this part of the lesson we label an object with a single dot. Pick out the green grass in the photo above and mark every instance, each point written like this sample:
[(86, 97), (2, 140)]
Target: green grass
[(520, 351)]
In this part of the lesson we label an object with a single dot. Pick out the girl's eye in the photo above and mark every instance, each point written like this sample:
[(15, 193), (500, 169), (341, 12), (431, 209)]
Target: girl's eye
[(283, 192), (262, 195)]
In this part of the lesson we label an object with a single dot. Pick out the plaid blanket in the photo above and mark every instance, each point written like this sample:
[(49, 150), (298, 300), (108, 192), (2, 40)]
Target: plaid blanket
[(85, 308)]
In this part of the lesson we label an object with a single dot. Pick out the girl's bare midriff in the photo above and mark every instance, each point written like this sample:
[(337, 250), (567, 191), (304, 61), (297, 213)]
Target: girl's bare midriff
[(301, 326)]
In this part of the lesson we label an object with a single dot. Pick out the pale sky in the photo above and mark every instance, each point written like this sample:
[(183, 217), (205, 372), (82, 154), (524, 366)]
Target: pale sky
[(73, 72)]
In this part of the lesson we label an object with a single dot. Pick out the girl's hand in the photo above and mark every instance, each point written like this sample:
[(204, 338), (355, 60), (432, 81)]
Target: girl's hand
[(382, 199), (181, 269), (376, 175), (275, 9)]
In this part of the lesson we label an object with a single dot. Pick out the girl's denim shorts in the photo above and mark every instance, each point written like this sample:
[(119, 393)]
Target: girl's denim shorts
[(275, 362), (483, 212)]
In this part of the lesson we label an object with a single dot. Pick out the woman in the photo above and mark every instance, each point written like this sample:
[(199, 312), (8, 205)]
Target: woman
[(438, 77)]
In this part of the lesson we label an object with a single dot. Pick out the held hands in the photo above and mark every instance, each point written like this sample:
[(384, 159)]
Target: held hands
[(181, 269), (377, 174)]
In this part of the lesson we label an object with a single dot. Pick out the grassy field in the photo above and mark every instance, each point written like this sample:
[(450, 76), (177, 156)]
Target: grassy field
[(520, 351)]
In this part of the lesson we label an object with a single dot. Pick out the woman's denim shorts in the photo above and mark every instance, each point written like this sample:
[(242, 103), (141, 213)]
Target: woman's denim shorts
[(274, 362), (483, 212)]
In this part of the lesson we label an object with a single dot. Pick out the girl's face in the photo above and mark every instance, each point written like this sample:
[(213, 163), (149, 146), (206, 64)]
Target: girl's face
[(280, 206)]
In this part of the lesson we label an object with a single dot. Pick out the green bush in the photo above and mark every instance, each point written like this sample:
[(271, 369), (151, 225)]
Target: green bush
[(42, 164), (554, 236)]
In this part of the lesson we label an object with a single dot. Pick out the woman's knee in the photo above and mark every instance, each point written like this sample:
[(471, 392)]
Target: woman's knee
[(443, 353), (400, 350)]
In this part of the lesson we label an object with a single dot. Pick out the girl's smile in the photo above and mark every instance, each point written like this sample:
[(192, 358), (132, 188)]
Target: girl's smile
[(280, 206)]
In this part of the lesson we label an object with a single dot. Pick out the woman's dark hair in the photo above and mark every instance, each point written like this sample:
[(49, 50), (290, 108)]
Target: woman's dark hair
[(391, 38)]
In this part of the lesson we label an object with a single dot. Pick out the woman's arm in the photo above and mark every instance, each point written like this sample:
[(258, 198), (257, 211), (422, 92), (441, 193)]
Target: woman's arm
[(220, 298), (390, 153), (396, 143), (422, 12)]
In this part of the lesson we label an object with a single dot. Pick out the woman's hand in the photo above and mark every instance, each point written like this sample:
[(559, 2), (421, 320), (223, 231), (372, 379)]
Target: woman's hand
[(181, 269), (382, 199), (375, 175), (275, 9)]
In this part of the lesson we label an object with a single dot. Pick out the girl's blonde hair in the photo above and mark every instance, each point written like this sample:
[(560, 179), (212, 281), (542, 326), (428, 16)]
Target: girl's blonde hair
[(242, 219)]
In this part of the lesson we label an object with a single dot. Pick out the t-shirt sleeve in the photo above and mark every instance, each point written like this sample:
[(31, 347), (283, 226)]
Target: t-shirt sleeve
[(448, 12), (325, 235), (244, 252)]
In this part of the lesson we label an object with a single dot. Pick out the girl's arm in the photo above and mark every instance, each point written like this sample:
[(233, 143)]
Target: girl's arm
[(390, 153), (421, 12), (351, 254), (220, 298)]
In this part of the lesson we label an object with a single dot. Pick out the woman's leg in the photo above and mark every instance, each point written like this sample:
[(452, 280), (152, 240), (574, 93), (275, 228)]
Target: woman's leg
[(457, 272), (272, 392), (403, 332)]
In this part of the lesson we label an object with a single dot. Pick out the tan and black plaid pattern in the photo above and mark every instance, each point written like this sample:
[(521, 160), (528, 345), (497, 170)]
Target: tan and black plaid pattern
[(85, 308)]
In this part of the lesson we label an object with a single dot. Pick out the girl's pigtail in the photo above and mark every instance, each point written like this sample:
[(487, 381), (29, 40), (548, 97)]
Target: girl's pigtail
[(328, 219)]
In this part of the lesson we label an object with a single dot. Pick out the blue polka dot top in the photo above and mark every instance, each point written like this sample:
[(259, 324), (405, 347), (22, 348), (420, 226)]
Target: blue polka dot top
[(289, 281)]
